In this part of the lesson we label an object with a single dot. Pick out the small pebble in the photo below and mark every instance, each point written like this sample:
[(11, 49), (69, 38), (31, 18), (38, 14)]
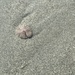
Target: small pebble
[(24, 32)]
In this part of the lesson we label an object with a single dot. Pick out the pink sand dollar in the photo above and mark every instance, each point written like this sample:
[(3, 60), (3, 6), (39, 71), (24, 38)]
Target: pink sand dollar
[(24, 32)]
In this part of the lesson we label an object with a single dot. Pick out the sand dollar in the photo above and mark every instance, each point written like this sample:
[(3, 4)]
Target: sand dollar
[(24, 32)]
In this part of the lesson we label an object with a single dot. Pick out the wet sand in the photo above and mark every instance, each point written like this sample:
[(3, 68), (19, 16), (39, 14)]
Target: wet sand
[(51, 50)]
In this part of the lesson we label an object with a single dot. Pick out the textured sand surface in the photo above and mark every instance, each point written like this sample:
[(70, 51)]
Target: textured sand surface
[(51, 50)]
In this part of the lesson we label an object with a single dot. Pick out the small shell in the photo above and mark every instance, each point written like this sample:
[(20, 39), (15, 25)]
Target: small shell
[(24, 32)]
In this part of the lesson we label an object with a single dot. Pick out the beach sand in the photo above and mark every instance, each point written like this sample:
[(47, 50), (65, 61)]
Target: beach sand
[(51, 50)]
